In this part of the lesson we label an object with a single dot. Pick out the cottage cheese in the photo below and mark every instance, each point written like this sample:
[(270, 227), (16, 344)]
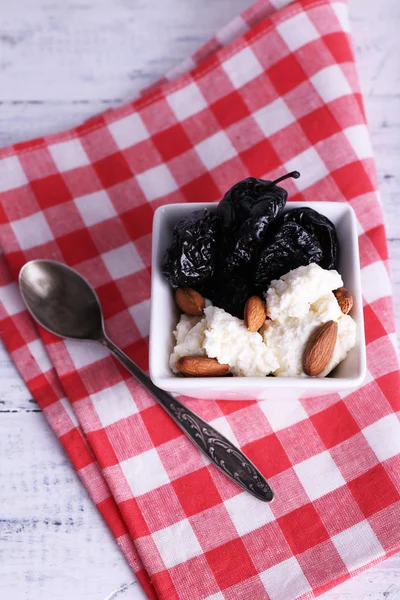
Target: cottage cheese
[(224, 337), (292, 294), (297, 303), (189, 336), (228, 340), (288, 338)]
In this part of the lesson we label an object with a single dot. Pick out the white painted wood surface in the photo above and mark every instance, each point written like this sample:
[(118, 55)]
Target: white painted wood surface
[(60, 62)]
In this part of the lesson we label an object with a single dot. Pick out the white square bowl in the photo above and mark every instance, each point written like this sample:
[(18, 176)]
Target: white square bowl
[(165, 315)]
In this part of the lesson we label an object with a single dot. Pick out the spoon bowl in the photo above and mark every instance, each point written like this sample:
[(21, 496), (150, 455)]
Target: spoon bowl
[(61, 300)]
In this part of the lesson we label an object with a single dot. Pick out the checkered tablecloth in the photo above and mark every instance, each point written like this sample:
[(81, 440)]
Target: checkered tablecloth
[(276, 90)]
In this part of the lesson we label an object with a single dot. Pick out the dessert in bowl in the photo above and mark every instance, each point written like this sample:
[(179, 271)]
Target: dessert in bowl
[(256, 298)]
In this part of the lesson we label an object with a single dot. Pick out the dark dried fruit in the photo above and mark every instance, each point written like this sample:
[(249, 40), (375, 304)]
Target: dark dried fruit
[(236, 253), (247, 210), (191, 258), (229, 291), (290, 247), (322, 229)]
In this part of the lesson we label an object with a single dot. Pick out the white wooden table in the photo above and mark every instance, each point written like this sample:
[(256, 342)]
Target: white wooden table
[(61, 61)]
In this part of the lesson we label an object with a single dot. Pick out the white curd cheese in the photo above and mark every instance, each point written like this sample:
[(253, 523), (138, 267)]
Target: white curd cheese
[(228, 340), (224, 337), (189, 336), (326, 308), (185, 324), (297, 304), (292, 294), (288, 339)]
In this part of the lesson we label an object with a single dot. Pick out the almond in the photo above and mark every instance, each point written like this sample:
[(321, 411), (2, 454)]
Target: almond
[(319, 348), (345, 299), (255, 313), (200, 366), (190, 302)]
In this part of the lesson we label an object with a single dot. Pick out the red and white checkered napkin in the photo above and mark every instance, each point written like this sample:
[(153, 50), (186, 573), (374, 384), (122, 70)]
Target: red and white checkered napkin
[(284, 95)]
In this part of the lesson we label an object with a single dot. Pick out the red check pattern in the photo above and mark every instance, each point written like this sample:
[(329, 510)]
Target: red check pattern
[(274, 91)]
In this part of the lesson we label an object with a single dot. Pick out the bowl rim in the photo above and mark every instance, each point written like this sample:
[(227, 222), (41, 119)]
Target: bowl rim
[(173, 382)]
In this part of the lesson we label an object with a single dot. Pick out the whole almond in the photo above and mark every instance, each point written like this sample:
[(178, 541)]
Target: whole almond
[(255, 313), (189, 301), (200, 366), (345, 299), (319, 348)]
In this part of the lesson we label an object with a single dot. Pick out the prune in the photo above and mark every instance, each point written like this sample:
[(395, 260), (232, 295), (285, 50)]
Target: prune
[(247, 210), (191, 258), (290, 247), (237, 252), (227, 290), (321, 228)]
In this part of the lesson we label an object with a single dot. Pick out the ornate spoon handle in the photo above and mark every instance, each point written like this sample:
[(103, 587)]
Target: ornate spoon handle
[(229, 459)]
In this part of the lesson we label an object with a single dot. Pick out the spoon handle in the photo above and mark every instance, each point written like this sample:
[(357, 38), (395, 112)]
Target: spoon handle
[(229, 459)]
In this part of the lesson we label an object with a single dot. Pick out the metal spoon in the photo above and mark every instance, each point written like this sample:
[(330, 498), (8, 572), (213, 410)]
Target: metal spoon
[(64, 303)]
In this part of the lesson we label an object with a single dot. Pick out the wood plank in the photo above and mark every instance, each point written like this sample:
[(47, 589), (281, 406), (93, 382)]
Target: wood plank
[(21, 120), (53, 544), (14, 395), (84, 50), (377, 44)]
